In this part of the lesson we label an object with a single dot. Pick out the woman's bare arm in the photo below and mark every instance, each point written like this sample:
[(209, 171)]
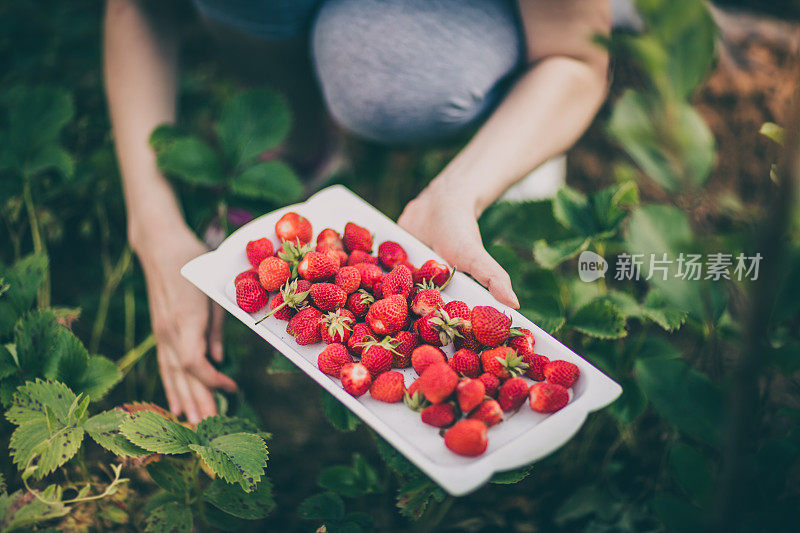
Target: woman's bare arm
[(140, 67), (544, 113)]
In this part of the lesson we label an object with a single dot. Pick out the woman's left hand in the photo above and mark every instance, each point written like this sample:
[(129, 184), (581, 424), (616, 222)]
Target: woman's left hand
[(448, 224)]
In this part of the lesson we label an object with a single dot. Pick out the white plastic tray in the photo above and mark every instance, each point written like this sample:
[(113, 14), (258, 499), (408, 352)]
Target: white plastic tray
[(522, 438)]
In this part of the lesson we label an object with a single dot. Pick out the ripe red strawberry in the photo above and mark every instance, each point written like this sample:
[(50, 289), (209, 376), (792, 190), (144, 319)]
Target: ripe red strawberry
[(388, 316), (358, 337), (536, 364), (349, 279), (327, 296), (458, 309), (294, 227), (247, 274), (250, 295), (438, 328), (388, 387), (489, 412), (258, 250), (432, 271), (439, 415), (410, 266), (359, 303), (360, 256), (467, 340), (377, 289), (356, 238), (369, 274), (522, 341), (317, 266), (329, 238), (467, 437), (512, 393), (336, 326), (562, 372), (466, 363), (273, 272), (491, 382), (398, 281), (390, 254), (406, 342), (356, 379), (437, 382), (304, 326), (292, 297), (490, 326), (503, 362), (377, 356), (332, 358), (424, 356), (427, 301), (470, 394), (413, 388), (546, 397)]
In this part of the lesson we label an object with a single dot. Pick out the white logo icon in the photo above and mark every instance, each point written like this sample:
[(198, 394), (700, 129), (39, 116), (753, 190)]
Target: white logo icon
[(591, 266)]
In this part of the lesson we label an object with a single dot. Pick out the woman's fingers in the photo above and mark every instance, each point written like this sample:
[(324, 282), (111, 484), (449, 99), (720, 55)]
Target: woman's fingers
[(168, 380), (203, 398), (183, 392), (193, 356), (488, 272), (215, 332)]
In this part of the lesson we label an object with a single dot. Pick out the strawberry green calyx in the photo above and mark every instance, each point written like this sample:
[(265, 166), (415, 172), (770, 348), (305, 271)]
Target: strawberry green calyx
[(514, 363), (416, 401), (429, 284), (292, 298), (388, 342), (293, 253), (337, 324), (515, 332), (447, 327)]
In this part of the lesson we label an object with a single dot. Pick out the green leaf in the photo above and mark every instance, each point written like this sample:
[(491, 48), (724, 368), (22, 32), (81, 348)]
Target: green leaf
[(252, 123), (50, 157), (545, 312), (682, 396), (657, 309), (191, 160), (637, 124), (551, 255), (627, 304), (271, 180), (155, 433), (233, 500), (349, 481), (172, 517), (611, 204), (162, 136), (280, 364), (599, 318), (337, 414), (24, 280), (693, 472), (103, 428), (631, 402), (31, 399), (415, 494), (36, 336), (237, 458), (511, 476), (22, 509), (215, 426), (171, 476), (571, 208), (8, 364), (652, 346), (324, 506), (100, 376)]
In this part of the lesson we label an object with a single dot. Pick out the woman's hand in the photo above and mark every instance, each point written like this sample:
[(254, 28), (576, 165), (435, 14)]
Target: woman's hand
[(447, 223), (185, 326)]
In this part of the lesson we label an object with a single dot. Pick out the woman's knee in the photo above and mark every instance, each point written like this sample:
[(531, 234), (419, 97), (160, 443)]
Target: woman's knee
[(414, 70)]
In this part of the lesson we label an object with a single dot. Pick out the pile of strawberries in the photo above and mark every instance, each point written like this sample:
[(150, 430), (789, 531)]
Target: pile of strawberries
[(389, 314)]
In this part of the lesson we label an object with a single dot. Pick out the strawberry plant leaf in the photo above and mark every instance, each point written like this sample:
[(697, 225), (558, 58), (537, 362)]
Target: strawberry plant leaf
[(93, 375), (572, 209), (155, 433), (545, 312), (599, 318), (103, 428), (551, 255), (270, 180), (50, 157), (415, 494), (611, 205), (252, 123), (657, 309), (652, 346), (692, 469), (626, 303), (511, 476), (337, 414), (171, 476), (349, 481), (191, 160), (8, 364), (20, 510), (100, 376), (163, 135), (50, 419), (24, 280), (215, 426), (236, 458), (36, 336), (172, 517), (324, 506), (233, 500), (682, 396)]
